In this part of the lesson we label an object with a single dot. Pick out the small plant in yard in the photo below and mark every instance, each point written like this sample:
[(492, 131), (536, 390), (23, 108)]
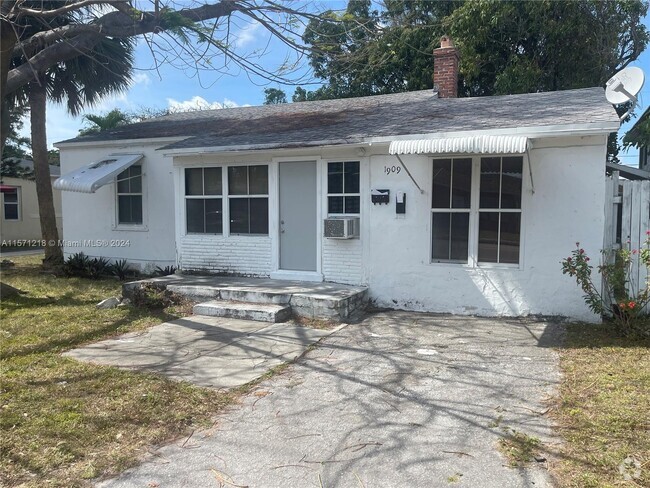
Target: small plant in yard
[(454, 478), (82, 266), (121, 269), (152, 297), (76, 264), (518, 447), (98, 267), (622, 300), (167, 270)]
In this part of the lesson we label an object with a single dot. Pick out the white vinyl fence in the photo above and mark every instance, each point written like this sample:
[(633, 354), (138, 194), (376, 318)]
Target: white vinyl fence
[(627, 219)]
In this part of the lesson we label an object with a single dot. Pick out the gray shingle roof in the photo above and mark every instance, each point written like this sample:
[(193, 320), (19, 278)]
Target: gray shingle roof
[(353, 120)]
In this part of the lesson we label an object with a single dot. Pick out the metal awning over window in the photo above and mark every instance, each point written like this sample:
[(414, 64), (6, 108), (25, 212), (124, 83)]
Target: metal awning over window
[(7, 188), (462, 145), (95, 175)]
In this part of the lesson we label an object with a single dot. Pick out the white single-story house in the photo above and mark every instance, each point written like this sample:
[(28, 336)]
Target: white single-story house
[(20, 223), (436, 203)]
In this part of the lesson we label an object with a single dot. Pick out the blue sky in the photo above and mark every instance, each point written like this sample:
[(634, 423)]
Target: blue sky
[(178, 86)]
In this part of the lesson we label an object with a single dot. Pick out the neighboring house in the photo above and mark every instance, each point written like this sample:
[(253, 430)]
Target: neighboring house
[(461, 205), (20, 217)]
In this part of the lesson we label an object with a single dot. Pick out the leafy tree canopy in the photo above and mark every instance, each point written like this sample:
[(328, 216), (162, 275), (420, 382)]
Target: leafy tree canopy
[(639, 135), (505, 47), (273, 96), (16, 147), (98, 122)]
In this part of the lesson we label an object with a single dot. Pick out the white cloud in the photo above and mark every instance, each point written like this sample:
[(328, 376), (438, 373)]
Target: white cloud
[(198, 103), (247, 35), (141, 79), (117, 100)]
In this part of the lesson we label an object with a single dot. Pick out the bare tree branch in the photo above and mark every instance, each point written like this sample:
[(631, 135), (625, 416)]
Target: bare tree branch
[(81, 38), (71, 7)]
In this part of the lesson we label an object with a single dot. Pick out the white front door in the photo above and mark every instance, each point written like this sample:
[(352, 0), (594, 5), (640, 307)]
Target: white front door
[(298, 216)]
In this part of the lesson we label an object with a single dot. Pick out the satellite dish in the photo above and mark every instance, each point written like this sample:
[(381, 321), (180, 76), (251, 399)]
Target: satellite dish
[(624, 87)]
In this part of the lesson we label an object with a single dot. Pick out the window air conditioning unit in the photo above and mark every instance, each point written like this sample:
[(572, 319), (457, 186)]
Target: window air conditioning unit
[(342, 228)]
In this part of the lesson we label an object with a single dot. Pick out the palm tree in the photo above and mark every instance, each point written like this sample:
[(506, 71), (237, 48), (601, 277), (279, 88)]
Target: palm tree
[(111, 120), (78, 82)]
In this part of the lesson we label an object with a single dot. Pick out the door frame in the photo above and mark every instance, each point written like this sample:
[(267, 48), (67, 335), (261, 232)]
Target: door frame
[(274, 229)]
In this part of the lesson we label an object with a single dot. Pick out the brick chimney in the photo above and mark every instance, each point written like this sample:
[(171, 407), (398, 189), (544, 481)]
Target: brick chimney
[(445, 68)]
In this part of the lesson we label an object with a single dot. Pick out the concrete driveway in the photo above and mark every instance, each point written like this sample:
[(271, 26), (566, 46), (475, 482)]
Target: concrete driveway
[(400, 400)]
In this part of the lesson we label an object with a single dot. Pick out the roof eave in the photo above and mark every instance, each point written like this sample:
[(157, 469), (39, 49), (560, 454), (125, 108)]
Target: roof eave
[(599, 128), (72, 143)]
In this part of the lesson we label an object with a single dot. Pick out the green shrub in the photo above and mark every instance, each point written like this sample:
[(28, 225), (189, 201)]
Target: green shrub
[(82, 266), (622, 300), (121, 269), (98, 267), (167, 270), (76, 265), (153, 297)]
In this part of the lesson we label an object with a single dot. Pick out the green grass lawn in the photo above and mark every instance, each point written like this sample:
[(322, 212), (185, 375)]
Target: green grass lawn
[(64, 422), (604, 409)]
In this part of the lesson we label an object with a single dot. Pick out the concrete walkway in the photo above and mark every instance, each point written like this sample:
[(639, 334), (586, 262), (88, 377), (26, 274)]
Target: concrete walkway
[(206, 351), (400, 400)]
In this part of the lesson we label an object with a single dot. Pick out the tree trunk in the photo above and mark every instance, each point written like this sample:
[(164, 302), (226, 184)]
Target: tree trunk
[(49, 232)]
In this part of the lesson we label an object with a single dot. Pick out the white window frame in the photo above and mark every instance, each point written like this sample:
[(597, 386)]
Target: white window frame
[(450, 209), (17, 203), (225, 180), (117, 225), (205, 197), (475, 211), (328, 194), (225, 196)]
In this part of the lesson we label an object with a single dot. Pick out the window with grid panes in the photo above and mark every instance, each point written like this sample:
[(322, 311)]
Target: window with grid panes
[(343, 195), (248, 200), (493, 216), (129, 196)]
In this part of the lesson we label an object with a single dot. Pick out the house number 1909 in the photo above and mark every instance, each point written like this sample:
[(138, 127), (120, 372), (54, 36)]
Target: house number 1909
[(392, 169)]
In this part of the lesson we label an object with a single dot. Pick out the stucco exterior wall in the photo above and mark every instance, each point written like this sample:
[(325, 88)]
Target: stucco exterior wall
[(567, 206), (28, 226), (91, 226), (392, 255)]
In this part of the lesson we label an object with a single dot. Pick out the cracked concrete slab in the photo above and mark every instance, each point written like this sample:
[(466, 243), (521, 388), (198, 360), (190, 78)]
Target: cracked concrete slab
[(401, 399), (207, 351)]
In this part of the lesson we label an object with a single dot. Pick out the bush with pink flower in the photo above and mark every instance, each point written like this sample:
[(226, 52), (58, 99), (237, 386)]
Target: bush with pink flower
[(620, 299)]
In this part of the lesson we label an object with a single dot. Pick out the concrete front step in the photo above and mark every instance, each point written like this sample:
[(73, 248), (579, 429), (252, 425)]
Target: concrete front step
[(261, 312), (332, 302)]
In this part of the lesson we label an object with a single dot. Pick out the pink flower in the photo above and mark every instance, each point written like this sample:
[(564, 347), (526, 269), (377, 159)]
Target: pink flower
[(634, 251), (647, 232), (587, 259)]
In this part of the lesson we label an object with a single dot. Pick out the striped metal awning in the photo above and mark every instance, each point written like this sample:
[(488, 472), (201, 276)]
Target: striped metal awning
[(462, 145), (88, 179)]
